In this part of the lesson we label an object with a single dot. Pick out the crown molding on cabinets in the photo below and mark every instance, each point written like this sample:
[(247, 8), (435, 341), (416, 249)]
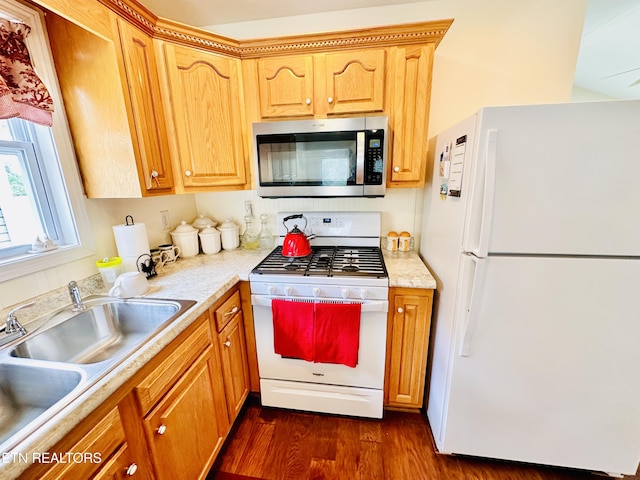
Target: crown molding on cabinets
[(384, 36)]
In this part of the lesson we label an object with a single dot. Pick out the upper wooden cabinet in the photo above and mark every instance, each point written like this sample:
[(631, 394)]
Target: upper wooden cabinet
[(354, 82), (204, 107), (144, 91), (107, 75), (409, 114), (212, 88), (351, 82), (286, 86)]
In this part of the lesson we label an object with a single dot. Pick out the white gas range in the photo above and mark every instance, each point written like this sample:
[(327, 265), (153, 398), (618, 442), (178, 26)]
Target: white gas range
[(345, 267)]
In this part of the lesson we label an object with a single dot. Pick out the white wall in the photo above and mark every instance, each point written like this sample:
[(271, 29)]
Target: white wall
[(103, 214), (496, 52)]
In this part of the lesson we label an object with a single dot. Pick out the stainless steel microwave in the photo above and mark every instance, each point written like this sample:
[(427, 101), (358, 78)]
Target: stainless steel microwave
[(337, 157)]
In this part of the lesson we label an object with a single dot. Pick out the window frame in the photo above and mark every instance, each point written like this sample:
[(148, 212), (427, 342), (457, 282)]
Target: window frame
[(65, 173)]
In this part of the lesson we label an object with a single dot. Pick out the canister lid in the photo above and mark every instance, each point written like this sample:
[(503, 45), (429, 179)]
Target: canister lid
[(228, 225), (209, 230), (184, 227), (203, 221)]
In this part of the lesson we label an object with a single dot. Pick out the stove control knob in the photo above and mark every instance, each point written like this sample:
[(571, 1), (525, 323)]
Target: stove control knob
[(363, 293), (345, 293), (288, 291), (316, 292), (271, 289)]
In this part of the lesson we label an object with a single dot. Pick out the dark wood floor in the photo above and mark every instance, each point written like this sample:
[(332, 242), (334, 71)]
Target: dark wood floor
[(272, 444)]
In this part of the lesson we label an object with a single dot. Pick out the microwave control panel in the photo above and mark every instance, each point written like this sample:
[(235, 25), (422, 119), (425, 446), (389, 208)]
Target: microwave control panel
[(374, 164)]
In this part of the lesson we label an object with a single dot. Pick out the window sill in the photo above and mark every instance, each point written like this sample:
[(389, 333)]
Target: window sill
[(36, 262)]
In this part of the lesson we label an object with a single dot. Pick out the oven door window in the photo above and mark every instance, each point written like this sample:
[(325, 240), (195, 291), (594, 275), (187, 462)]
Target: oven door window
[(307, 159)]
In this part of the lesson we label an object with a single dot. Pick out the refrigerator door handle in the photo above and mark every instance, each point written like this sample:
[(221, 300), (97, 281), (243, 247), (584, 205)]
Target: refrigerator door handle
[(472, 298), (489, 190)]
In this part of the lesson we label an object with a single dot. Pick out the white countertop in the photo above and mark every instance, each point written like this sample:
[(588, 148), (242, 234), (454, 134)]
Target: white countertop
[(204, 278)]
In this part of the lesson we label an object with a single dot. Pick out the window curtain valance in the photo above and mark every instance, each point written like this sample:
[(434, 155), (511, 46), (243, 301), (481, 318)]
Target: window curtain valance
[(22, 93)]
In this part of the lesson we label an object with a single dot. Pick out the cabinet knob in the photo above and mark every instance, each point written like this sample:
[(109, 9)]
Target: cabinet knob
[(308, 101), (154, 176), (233, 311), (400, 310), (227, 344), (330, 99), (187, 173), (161, 429), (132, 469), (396, 169)]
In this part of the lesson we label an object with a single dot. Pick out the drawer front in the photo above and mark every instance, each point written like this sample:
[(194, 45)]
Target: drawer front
[(88, 455), (227, 310), (152, 388)]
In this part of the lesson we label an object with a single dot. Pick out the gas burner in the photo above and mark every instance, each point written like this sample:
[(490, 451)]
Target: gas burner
[(292, 266), (350, 268)]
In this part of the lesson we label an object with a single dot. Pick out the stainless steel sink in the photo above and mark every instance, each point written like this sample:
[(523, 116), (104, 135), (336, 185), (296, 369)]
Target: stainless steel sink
[(68, 352), (27, 392), (103, 332)]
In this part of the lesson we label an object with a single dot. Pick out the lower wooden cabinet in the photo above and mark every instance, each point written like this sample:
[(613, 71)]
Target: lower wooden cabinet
[(171, 418), (229, 320), (408, 325), (89, 455), (182, 431)]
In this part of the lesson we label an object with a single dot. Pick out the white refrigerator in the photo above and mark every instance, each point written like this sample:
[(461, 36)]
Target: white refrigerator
[(532, 229)]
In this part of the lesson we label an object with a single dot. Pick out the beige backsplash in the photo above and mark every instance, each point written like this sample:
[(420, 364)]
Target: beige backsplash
[(401, 209)]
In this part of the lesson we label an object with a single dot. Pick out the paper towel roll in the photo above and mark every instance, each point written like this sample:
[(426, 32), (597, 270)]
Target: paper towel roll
[(132, 242)]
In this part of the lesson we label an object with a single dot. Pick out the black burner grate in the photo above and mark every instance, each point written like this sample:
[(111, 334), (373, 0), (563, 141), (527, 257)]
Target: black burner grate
[(327, 262)]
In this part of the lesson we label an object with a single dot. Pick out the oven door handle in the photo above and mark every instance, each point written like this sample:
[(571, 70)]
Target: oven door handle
[(367, 305)]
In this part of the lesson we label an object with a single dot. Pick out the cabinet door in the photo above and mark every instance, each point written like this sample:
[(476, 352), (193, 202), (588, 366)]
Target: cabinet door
[(407, 345), (409, 117), (354, 82), (206, 114), (286, 86), (152, 145), (183, 430), (233, 353)]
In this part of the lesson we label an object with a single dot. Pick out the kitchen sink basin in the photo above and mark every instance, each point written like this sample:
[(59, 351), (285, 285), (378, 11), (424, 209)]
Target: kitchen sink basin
[(27, 392), (69, 352), (106, 330)]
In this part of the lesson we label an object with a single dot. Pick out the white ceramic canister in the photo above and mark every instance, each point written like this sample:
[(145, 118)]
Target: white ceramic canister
[(185, 237), (230, 235), (210, 240)]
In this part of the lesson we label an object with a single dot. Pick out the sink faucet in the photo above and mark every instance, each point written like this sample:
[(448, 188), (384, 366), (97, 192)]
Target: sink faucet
[(13, 325), (74, 293)]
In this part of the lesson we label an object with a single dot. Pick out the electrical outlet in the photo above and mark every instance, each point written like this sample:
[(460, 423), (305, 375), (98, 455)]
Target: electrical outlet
[(164, 218)]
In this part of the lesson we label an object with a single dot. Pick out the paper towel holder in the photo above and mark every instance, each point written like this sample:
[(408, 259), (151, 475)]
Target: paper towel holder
[(126, 220)]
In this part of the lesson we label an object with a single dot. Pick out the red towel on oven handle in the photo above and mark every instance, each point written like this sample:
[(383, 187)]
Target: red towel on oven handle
[(337, 333), (293, 329)]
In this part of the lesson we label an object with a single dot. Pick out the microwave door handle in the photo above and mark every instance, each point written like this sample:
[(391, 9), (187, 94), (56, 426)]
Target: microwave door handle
[(360, 158)]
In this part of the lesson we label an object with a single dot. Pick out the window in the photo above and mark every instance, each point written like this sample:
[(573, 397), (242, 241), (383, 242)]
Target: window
[(40, 192), (26, 198)]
